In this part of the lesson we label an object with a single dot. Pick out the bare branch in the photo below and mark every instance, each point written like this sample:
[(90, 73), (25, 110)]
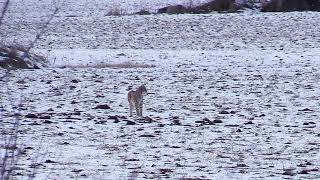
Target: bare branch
[(42, 31), (4, 10)]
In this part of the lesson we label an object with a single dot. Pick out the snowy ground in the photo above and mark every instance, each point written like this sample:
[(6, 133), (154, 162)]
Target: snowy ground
[(258, 74)]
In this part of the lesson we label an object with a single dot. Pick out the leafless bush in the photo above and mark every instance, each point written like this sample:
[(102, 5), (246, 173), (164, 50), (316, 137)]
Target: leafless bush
[(10, 151), (116, 12), (19, 57), (123, 65), (16, 54), (190, 4)]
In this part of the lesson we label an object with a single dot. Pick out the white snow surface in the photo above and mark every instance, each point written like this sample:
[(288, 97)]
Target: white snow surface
[(256, 72)]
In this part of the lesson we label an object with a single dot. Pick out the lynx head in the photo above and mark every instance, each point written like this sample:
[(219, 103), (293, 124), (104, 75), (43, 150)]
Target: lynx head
[(143, 89)]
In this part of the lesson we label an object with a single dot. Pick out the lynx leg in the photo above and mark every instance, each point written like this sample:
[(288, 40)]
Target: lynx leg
[(130, 108), (137, 108), (140, 108)]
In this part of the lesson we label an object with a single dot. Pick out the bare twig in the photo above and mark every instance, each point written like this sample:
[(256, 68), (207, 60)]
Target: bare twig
[(42, 31), (11, 150), (4, 10)]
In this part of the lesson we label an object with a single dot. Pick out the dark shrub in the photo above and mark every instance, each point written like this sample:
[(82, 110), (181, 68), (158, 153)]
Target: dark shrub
[(177, 9), (162, 10), (291, 5), (216, 5), (143, 12), (314, 5), (294, 5), (20, 58)]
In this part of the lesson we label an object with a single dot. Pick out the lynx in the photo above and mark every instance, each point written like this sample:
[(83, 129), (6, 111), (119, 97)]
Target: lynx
[(135, 99)]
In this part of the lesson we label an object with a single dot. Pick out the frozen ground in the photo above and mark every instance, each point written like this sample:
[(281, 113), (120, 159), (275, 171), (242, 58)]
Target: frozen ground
[(254, 76)]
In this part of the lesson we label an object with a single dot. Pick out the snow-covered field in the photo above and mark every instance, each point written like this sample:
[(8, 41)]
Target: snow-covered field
[(253, 77)]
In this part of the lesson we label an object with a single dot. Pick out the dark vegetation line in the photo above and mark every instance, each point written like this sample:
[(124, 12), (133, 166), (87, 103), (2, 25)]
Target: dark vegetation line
[(231, 6)]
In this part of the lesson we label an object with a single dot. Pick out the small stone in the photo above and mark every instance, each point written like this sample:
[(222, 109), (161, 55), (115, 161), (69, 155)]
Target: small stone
[(306, 110), (262, 115), (49, 161), (77, 113), (130, 123), (77, 170), (146, 135), (303, 172), (121, 54), (73, 102), (308, 163), (45, 117), (217, 121), (176, 122), (101, 122), (224, 112), (242, 165), (75, 81), (249, 122), (113, 117), (148, 119), (33, 116), (288, 173), (205, 119), (103, 106), (47, 122), (233, 112)]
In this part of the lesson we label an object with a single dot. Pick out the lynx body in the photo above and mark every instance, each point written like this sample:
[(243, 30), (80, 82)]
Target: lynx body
[(135, 99)]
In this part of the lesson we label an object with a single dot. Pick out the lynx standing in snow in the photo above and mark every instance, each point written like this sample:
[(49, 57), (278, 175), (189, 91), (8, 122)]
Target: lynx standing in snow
[(135, 99)]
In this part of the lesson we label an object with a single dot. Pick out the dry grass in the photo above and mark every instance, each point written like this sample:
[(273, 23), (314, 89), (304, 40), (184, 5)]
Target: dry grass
[(123, 65), (116, 12)]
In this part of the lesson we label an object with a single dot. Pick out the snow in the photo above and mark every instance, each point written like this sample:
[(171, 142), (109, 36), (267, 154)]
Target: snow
[(262, 68)]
